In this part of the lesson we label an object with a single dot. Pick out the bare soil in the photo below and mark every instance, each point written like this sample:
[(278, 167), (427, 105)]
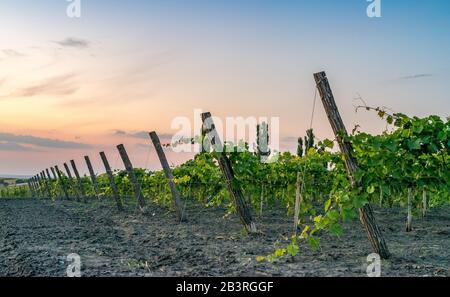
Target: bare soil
[(37, 235)]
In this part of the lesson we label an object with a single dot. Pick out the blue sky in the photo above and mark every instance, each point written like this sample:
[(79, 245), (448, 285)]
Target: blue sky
[(145, 62)]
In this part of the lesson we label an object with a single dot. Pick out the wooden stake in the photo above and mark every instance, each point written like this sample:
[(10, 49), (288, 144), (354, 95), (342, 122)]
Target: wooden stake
[(31, 189), (112, 183), (49, 179), (62, 183), (34, 186), (55, 177), (46, 184), (366, 215), (409, 217), (69, 175), (261, 201), (169, 175), (381, 197), (424, 203), (93, 177), (132, 176), (79, 181), (242, 207), (41, 186), (297, 202)]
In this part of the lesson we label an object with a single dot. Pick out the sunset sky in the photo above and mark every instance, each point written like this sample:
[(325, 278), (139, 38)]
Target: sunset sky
[(71, 87)]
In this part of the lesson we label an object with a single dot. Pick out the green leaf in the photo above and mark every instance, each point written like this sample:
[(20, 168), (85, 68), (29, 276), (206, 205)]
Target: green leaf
[(360, 201), (314, 242), (336, 229), (260, 258), (293, 249), (414, 144), (280, 252), (328, 143), (390, 120), (304, 233), (327, 204), (370, 189), (442, 136), (333, 215)]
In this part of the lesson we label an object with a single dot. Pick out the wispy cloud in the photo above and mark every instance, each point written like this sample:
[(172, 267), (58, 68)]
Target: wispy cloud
[(141, 134), (74, 43), (59, 85), (11, 53), (415, 76), (13, 147), (11, 140)]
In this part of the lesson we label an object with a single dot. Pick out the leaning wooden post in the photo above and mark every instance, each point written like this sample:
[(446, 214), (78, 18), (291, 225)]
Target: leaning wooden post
[(409, 215), (33, 185), (69, 175), (93, 177), (424, 203), (46, 184), (169, 175), (49, 179), (132, 176), (36, 186), (79, 181), (61, 182), (31, 189), (366, 215), (298, 193), (242, 207), (41, 186), (55, 177), (112, 183)]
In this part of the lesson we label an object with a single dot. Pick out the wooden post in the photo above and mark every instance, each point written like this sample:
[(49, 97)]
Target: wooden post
[(46, 184), (31, 189), (79, 181), (49, 180), (69, 175), (297, 202), (242, 207), (381, 197), (33, 185), (111, 181), (132, 176), (261, 202), (93, 177), (36, 186), (48, 174), (62, 183), (424, 203), (366, 215), (169, 175), (41, 186), (55, 177), (409, 216)]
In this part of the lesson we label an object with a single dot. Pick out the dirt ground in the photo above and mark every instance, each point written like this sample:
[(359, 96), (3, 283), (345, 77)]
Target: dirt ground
[(37, 235)]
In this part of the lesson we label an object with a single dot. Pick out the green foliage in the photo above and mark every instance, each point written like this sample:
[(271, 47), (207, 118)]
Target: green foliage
[(414, 154)]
